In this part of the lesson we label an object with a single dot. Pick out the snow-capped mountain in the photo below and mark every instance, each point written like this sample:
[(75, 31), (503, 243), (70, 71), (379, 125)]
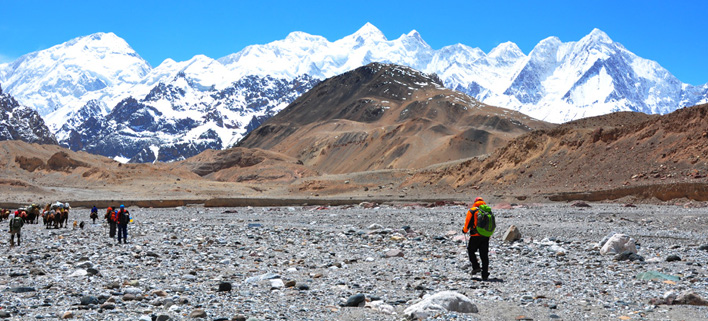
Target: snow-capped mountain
[(179, 118), (84, 80), (68, 75), (22, 123)]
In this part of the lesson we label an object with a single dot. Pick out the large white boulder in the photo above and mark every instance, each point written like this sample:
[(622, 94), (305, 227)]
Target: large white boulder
[(619, 243), (446, 301)]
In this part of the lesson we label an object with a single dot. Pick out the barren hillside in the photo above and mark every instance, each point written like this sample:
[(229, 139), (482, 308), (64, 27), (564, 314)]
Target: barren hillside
[(386, 117), (603, 157)]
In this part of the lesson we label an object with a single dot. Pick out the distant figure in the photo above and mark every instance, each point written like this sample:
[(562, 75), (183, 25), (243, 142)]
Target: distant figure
[(478, 242), (81, 225), (16, 223), (111, 219), (123, 219), (94, 214)]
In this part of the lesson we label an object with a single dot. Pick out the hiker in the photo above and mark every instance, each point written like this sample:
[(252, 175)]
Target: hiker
[(123, 219), (111, 219), (477, 241), (94, 214), (16, 223)]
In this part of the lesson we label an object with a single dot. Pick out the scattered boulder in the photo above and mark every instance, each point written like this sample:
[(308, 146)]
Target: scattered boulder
[(619, 243), (198, 313), (224, 287), (703, 247), (446, 301), (393, 253), (276, 283), (355, 300), (89, 299), (512, 234), (672, 258)]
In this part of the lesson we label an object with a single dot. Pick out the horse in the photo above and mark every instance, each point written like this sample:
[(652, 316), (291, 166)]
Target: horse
[(50, 219), (33, 213)]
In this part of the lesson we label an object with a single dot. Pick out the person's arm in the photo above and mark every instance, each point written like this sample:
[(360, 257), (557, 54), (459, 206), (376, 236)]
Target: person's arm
[(466, 228)]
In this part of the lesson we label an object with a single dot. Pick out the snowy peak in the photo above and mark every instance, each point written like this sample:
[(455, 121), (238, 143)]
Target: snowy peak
[(299, 36), (506, 51), (546, 49), (597, 36), (368, 32), (72, 73)]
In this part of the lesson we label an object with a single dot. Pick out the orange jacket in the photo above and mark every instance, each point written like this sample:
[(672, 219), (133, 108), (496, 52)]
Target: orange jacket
[(472, 218)]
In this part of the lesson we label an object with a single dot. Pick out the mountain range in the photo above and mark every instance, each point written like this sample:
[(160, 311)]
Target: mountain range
[(97, 94)]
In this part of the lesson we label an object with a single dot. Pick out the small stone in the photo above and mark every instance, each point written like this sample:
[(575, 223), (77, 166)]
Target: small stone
[(5, 314), (198, 313), (276, 284), (703, 247), (512, 234), (355, 300), (68, 315), (108, 306), (303, 287), (393, 253), (290, 283), (225, 287), (37, 271), (239, 317), (619, 243), (89, 299), (672, 258), (160, 293), (129, 297), (162, 317)]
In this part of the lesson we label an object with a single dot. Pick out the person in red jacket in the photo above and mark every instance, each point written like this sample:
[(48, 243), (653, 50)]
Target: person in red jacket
[(477, 242)]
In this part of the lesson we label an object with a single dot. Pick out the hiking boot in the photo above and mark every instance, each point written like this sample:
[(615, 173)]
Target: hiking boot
[(485, 276), (475, 271)]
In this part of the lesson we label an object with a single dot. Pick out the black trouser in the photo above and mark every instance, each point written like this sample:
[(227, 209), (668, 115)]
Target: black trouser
[(480, 243), (123, 231), (112, 229), (12, 237)]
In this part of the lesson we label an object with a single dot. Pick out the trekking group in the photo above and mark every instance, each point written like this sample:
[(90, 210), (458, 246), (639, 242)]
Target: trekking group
[(56, 215)]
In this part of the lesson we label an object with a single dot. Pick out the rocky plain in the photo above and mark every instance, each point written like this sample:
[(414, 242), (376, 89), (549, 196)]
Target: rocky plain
[(362, 262)]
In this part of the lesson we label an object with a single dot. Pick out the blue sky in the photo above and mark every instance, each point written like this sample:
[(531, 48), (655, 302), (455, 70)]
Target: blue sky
[(673, 33)]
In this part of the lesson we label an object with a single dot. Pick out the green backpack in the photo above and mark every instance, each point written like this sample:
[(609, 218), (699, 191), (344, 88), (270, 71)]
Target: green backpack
[(16, 223), (485, 221)]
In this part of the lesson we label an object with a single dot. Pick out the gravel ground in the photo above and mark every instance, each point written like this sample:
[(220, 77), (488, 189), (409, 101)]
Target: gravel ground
[(304, 263)]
